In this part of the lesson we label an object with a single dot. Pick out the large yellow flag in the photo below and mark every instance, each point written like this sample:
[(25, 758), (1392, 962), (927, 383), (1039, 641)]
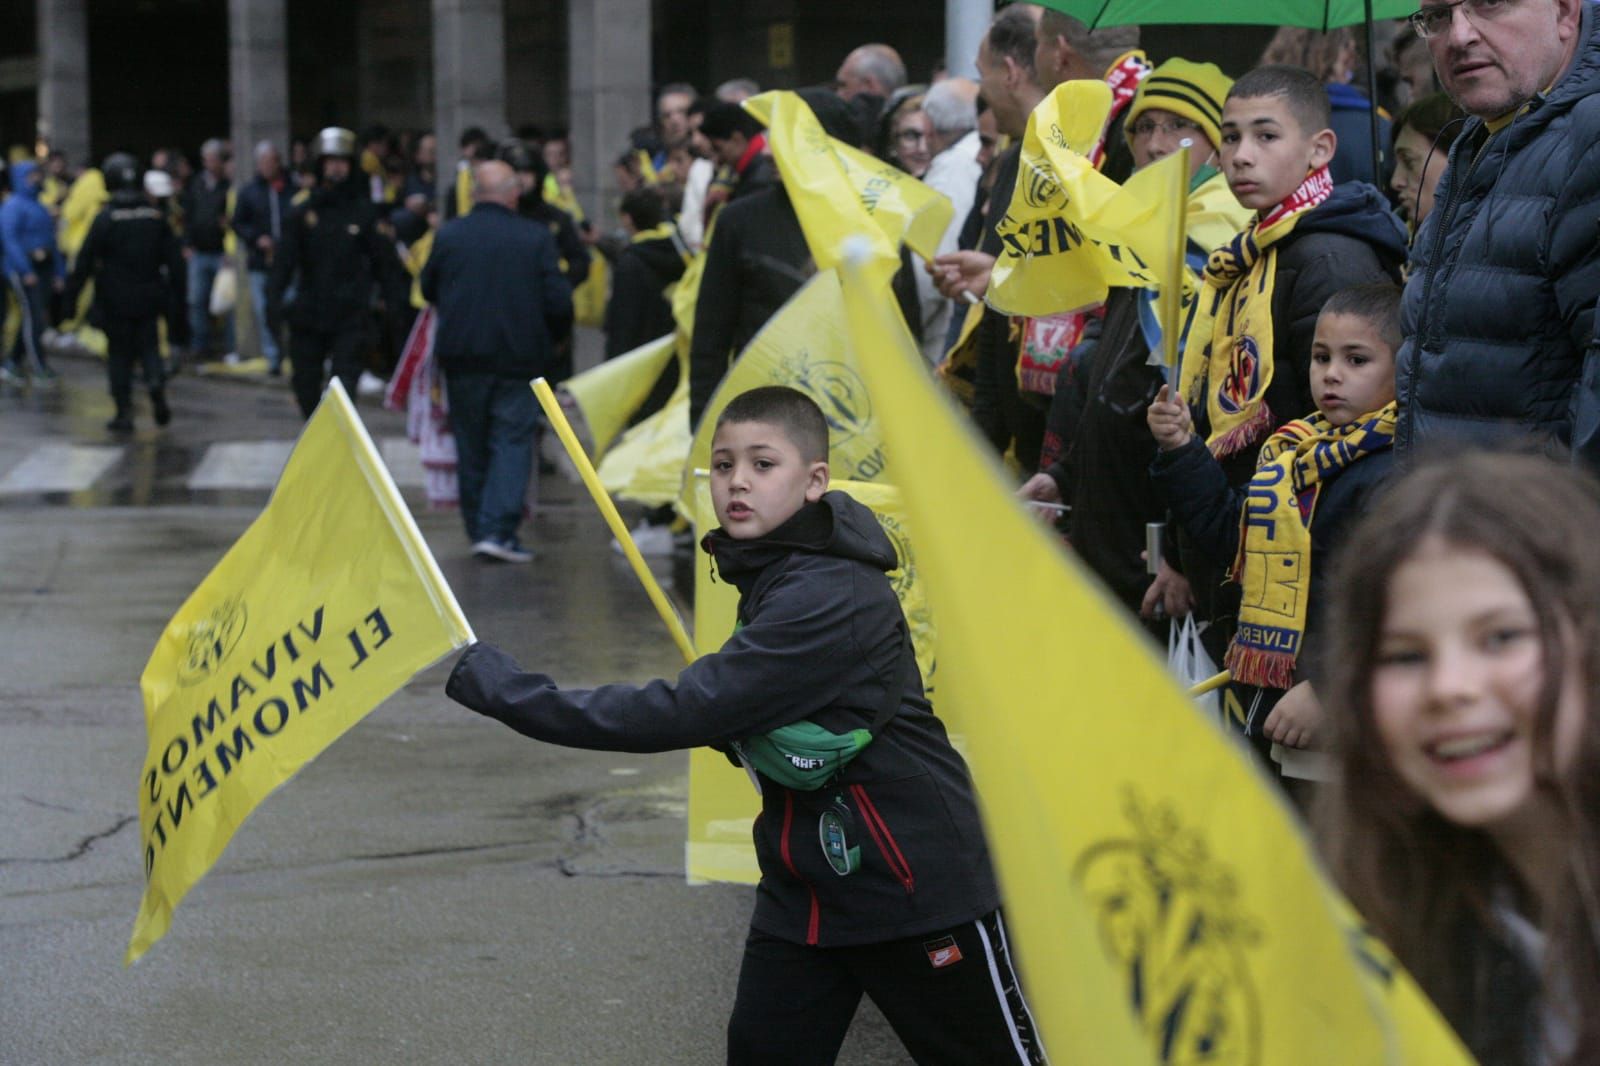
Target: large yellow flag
[(821, 183), (610, 393), (326, 605), (1136, 848), (1071, 233), (646, 463)]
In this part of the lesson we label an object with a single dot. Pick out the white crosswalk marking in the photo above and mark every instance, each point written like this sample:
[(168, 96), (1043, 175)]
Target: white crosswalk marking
[(59, 468), (251, 464), (257, 464)]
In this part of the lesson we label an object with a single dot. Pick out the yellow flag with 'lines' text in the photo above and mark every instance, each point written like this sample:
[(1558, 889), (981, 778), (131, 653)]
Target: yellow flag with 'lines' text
[(1070, 233), (1165, 904), (326, 605)]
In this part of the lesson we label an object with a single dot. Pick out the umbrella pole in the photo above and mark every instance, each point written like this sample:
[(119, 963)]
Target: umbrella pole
[(1372, 95)]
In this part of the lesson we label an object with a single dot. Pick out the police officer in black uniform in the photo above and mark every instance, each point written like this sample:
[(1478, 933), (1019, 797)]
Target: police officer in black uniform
[(334, 249), (137, 262)]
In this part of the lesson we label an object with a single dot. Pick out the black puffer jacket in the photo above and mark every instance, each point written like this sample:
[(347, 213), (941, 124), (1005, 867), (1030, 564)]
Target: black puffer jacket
[(1499, 309), (820, 639)]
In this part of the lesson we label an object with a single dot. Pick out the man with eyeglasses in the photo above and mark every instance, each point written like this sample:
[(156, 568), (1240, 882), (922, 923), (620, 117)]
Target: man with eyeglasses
[(1499, 309)]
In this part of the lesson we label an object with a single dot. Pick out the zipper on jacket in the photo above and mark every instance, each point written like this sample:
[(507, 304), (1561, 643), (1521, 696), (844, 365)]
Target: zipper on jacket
[(881, 836), (1420, 338), (783, 849)]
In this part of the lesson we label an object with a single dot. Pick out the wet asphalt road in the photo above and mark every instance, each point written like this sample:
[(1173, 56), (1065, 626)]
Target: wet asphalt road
[(433, 888)]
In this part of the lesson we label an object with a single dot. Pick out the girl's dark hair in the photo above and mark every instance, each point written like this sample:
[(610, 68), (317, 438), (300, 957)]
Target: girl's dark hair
[(1428, 886), (1435, 117)]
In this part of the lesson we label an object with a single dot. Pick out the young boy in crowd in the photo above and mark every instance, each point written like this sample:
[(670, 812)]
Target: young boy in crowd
[(1247, 357), (1277, 534), (875, 876)]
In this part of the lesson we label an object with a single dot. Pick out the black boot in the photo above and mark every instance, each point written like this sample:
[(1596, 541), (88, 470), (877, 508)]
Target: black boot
[(158, 405), (123, 422)]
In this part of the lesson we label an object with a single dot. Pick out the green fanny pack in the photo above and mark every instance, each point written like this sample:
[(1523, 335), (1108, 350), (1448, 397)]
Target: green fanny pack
[(804, 756)]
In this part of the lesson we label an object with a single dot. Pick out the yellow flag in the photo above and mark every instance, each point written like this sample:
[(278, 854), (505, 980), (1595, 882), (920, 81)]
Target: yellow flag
[(803, 346), (1137, 850), (825, 192), (646, 463), (326, 605), (610, 393), (722, 802), (1071, 233)]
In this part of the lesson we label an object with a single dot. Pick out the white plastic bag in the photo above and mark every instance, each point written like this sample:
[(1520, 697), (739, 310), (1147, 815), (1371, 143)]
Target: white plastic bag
[(224, 291), (1189, 663)]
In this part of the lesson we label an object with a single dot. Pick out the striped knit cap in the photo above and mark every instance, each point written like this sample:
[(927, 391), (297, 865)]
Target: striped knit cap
[(1193, 90)]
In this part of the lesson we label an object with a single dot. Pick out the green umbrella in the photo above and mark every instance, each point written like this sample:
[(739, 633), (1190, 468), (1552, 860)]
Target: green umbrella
[(1312, 14)]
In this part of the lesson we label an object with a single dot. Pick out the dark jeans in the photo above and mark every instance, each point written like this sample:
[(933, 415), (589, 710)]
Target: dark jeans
[(493, 419), (131, 340), (795, 1003), (345, 345), (34, 303)]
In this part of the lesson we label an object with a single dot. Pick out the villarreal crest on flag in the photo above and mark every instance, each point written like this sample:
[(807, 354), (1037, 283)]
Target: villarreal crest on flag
[(326, 605)]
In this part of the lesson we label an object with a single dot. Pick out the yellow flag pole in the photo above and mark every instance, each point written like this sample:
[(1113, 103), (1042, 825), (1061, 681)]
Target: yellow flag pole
[(608, 510), (1210, 684), (1172, 306)]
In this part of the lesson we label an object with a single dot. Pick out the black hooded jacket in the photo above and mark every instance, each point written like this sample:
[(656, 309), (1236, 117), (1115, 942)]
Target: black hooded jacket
[(638, 311), (332, 254), (137, 263), (820, 639)]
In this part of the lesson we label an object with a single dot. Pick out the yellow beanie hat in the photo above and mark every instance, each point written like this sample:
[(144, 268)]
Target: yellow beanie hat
[(1195, 91)]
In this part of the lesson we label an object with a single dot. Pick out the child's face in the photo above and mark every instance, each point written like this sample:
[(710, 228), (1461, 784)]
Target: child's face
[(1265, 153), (759, 479), (1455, 690), (1352, 368)]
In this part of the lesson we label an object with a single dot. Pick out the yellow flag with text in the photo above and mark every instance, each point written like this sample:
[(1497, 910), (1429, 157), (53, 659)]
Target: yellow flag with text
[(326, 605), (722, 802), (823, 176), (610, 393), (1155, 882), (1070, 233), (646, 464)]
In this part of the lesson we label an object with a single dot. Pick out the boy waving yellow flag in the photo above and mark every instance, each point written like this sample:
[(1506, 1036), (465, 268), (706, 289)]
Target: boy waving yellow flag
[(326, 605)]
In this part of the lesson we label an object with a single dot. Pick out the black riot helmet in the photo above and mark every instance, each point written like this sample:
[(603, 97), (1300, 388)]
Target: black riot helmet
[(121, 173)]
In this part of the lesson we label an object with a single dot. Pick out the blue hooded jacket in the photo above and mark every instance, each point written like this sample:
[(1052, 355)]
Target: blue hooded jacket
[(1352, 124), (26, 228)]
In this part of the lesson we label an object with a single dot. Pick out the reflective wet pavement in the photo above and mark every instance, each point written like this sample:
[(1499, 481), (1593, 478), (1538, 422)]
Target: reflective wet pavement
[(432, 889)]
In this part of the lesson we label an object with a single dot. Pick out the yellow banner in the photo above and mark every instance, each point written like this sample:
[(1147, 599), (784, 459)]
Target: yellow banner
[(722, 801), (609, 394), (646, 463), (326, 605), (1071, 233), (905, 209), (1155, 882), (803, 346)]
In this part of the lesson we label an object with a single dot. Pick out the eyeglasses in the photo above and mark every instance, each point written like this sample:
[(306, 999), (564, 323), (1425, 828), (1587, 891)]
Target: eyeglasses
[(910, 136), (1148, 127), (1435, 19)]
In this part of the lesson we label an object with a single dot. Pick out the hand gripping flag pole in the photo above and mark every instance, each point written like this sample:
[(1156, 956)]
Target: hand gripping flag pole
[(608, 510)]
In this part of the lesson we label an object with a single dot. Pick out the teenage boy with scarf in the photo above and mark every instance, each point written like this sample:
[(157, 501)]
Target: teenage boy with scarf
[(875, 875), (1247, 357), (1277, 534)]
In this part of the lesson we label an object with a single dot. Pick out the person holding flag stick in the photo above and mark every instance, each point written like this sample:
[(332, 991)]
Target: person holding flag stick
[(875, 874)]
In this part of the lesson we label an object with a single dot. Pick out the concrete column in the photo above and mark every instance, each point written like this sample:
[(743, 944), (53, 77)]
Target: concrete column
[(609, 94), (64, 76), (469, 77), (965, 23), (258, 80)]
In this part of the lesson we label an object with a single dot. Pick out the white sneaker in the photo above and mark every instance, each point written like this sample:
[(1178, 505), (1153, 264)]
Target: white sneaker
[(231, 359), (370, 384), (507, 551), (650, 540)]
